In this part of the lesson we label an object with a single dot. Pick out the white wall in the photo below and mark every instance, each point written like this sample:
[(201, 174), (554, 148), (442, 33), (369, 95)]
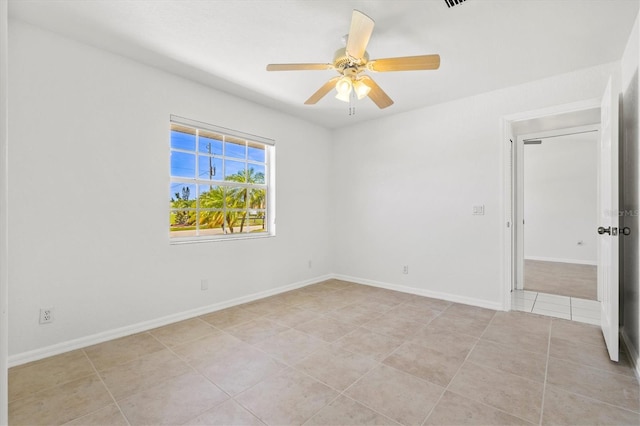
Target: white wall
[(560, 199), (405, 185), (89, 187), (629, 196)]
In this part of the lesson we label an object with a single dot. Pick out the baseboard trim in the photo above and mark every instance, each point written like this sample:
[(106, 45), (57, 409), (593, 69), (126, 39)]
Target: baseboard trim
[(633, 354), (558, 260), (422, 292), (83, 342)]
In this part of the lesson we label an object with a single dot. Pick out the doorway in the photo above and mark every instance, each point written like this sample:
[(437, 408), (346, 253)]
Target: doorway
[(551, 211), (607, 200), (555, 218)]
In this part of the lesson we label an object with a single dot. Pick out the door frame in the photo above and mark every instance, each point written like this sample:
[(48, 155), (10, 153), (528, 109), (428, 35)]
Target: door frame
[(507, 188), (4, 211)]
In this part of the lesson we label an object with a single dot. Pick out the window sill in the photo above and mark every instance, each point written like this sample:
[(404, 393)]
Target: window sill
[(199, 240)]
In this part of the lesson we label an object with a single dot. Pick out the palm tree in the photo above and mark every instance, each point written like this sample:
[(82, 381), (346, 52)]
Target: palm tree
[(257, 200), (212, 199), (241, 197), (224, 199), (181, 201)]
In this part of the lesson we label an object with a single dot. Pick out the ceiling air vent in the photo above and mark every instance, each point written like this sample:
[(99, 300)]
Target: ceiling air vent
[(451, 3)]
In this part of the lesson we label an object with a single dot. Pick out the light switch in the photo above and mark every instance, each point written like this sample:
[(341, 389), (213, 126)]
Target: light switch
[(478, 210)]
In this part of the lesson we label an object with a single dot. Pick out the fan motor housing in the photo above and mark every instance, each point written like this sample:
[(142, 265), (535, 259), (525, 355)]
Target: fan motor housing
[(346, 64)]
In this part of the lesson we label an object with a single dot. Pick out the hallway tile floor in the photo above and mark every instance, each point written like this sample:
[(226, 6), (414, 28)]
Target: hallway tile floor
[(570, 308), (337, 353)]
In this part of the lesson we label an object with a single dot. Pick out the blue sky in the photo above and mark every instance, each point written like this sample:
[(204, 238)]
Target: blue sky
[(184, 164)]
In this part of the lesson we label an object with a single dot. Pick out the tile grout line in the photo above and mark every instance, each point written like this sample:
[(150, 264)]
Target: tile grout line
[(342, 393), (126, 419), (446, 388), (233, 397), (292, 366), (370, 408), (546, 372), (478, 339), (466, 360), (402, 344), (339, 393), (533, 305), (364, 404), (596, 400), (548, 313), (195, 370), (50, 387), (149, 354), (380, 363), (323, 407), (288, 366), (596, 370), (570, 309)]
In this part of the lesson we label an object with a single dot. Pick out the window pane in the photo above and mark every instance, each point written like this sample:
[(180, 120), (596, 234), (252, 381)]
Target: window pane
[(258, 199), (234, 222), (182, 196), (256, 152), (210, 222), (210, 143), (237, 198), (235, 148), (183, 165), (256, 222), (209, 168), (183, 138), (182, 223), (255, 173), (234, 171), (211, 197)]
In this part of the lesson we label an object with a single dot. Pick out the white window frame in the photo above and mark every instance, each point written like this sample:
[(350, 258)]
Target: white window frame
[(269, 184)]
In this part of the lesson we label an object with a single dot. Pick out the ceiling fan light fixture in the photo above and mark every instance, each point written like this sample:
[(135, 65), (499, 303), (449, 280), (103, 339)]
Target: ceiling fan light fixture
[(344, 97), (344, 87), (352, 61), (361, 89)]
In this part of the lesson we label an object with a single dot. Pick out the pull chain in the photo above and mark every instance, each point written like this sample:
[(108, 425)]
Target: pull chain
[(352, 104)]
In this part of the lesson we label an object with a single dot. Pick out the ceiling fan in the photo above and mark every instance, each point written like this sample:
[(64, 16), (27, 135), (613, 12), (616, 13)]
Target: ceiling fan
[(353, 60)]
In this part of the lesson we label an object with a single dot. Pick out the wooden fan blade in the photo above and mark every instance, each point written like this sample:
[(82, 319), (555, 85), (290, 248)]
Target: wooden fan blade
[(359, 34), (406, 63), (377, 95), (298, 67), (326, 88)]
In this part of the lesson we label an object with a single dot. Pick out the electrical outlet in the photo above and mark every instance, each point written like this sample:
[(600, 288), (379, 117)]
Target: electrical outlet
[(204, 285), (46, 315), (405, 269)]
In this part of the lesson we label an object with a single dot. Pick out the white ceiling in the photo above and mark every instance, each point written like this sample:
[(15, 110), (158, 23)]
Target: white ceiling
[(484, 44)]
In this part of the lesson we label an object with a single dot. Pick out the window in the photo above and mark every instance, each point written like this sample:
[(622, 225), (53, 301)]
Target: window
[(220, 183)]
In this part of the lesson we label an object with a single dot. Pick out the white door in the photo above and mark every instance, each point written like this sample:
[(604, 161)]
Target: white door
[(608, 219)]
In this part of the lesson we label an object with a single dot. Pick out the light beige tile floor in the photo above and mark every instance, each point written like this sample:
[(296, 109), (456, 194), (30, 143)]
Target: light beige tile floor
[(336, 353), (567, 279)]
